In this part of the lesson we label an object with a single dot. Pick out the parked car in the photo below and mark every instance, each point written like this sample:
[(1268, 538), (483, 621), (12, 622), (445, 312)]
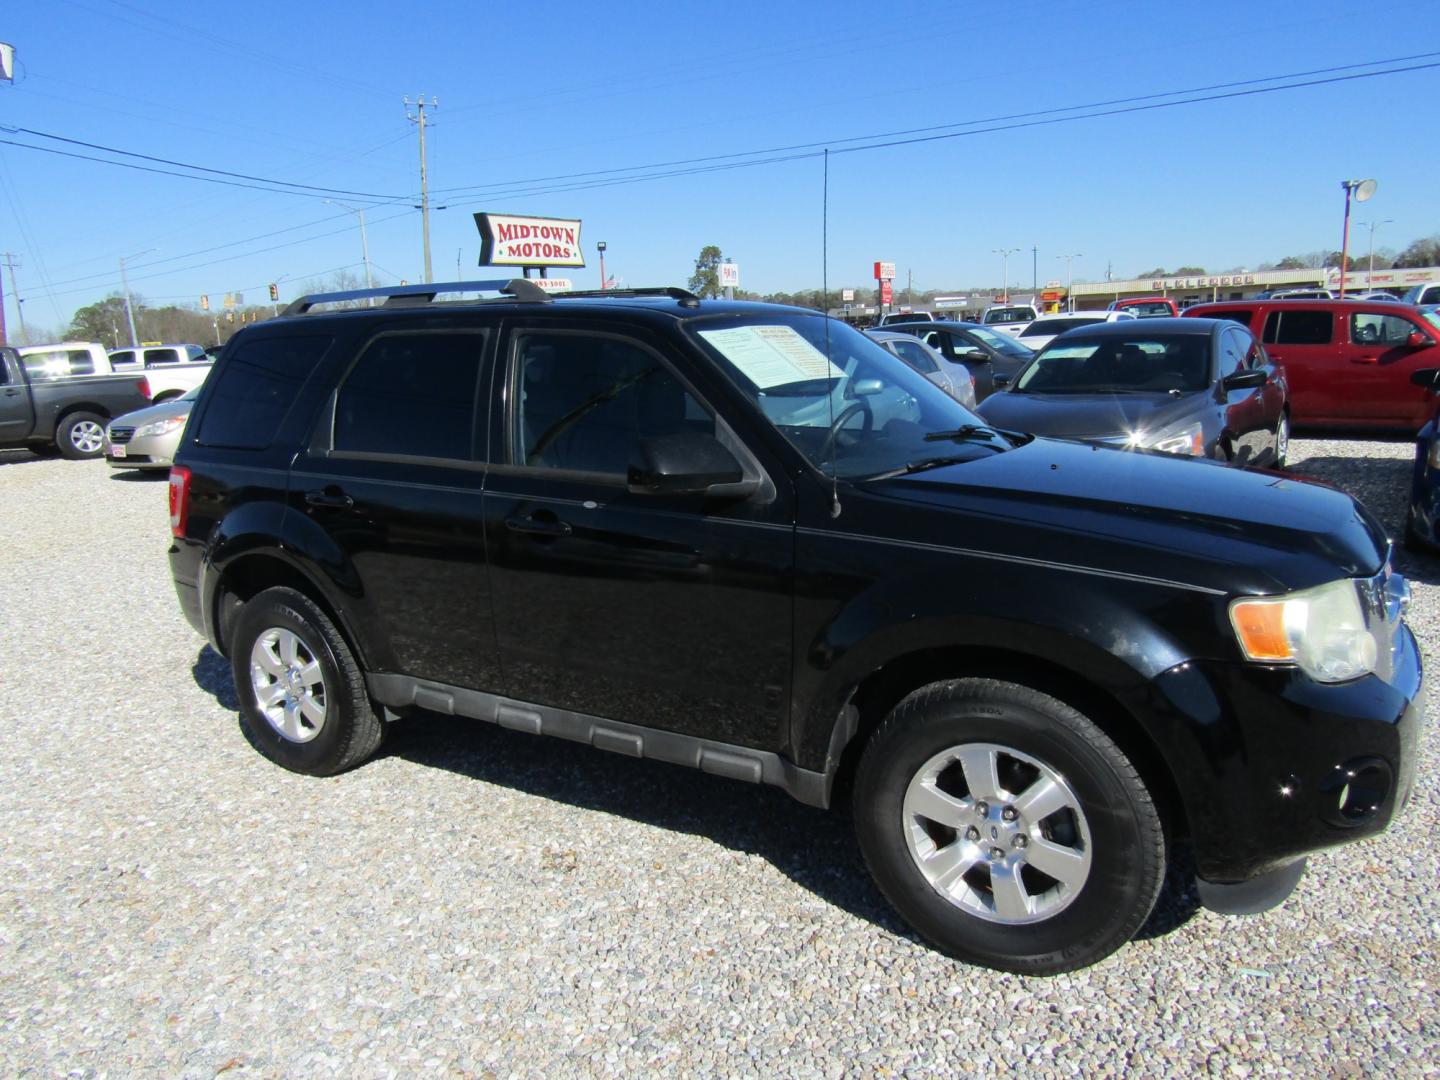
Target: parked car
[(65, 358), (146, 438), (1389, 298), (1048, 327), (955, 380), (1008, 318), (1146, 307), (904, 316), (1427, 292), (174, 369), (1423, 514), (52, 413), (1198, 387), (1348, 362), (982, 352), (742, 538)]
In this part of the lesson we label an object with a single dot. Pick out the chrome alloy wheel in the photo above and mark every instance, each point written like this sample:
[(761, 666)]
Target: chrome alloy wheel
[(998, 833), (288, 683), (87, 436), (1282, 439)]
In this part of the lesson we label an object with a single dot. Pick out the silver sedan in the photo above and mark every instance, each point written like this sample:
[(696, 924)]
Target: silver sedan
[(147, 438), (954, 380)]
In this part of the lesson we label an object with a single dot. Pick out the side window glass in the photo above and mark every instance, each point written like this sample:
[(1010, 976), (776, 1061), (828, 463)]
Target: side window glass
[(940, 342), (1302, 327), (4, 372), (81, 362), (253, 392), (124, 356), (1272, 327), (411, 395), (1256, 357), (585, 403), (1232, 352), (160, 356), (1379, 329), (915, 354)]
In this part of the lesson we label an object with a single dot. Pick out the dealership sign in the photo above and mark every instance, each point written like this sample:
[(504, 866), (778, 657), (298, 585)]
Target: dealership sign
[(1202, 282), (507, 240), (730, 275), (884, 271)]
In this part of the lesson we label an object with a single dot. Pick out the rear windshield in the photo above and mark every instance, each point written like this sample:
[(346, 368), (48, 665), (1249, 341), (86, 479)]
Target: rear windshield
[(1009, 315), (1052, 327), (255, 389), (1147, 308)]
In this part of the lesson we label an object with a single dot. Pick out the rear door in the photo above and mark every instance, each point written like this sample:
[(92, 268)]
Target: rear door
[(1376, 380), (1305, 339)]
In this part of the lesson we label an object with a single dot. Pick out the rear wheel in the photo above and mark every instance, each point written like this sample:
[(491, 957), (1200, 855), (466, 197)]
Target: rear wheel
[(81, 435), (1007, 828), (303, 700)]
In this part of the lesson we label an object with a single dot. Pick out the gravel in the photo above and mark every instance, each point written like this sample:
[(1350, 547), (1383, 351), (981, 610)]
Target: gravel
[(479, 902)]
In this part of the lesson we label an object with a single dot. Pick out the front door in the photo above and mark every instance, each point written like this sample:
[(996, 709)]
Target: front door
[(14, 403), (671, 612), (1380, 361)]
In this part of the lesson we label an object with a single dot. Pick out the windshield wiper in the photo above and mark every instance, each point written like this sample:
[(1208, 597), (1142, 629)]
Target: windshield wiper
[(920, 466), (964, 433)]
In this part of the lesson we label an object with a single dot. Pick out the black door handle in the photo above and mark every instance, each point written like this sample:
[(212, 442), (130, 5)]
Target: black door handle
[(331, 497), (10, 391), (537, 526)]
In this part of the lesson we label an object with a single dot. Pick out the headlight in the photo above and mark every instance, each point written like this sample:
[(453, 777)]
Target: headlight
[(1321, 630), (1190, 440), (160, 427)]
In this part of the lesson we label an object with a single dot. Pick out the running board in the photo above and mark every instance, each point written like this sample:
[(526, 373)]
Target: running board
[(632, 740)]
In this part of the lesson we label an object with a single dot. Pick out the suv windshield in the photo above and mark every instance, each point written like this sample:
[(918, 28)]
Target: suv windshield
[(852, 408), (1139, 363)]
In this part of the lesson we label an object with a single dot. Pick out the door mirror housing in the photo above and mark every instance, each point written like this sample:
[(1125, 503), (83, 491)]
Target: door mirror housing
[(1428, 377), (684, 464), (865, 388), (1417, 340), (1001, 379), (1245, 380), (973, 356)]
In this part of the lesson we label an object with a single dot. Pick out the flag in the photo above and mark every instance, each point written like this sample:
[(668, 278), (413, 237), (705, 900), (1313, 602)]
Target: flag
[(609, 282), (7, 62)]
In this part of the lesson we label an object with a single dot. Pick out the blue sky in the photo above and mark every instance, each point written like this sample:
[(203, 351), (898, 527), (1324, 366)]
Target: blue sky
[(311, 94)]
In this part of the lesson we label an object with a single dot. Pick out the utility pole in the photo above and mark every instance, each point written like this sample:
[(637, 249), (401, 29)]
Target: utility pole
[(1004, 254), (1035, 269), (129, 312), (1069, 299), (419, 120), (20, 310)]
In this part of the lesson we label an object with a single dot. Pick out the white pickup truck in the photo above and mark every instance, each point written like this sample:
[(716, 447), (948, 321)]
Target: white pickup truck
[(171, 369)]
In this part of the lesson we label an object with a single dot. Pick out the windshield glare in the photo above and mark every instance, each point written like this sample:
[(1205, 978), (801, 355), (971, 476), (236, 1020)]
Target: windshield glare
[(854, 411), (1001, 343), (1083, 366)]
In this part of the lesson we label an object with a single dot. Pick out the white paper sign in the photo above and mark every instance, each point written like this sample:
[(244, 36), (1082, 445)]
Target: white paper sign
[(772, 355)]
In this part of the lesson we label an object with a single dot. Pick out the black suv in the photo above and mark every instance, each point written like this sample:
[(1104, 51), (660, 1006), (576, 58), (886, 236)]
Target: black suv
[(747, 539)]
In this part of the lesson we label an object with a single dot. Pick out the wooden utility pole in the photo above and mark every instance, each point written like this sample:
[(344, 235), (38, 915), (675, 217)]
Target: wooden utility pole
[(19, 304), (419, 120)]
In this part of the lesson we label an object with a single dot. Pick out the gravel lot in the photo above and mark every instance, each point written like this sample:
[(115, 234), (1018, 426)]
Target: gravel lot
[(479, 902)]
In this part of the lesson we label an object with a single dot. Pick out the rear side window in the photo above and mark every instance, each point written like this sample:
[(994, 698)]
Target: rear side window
[(161, 356), (1299, 328), (58, 363), (124, 356), (253, 393), (411, 395)]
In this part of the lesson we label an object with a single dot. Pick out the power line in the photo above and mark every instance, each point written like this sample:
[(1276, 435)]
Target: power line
[(196, 168)]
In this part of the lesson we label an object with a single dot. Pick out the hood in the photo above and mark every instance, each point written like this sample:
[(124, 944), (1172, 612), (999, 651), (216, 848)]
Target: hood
[(1090, 416), (149, 415), (1187, 520)]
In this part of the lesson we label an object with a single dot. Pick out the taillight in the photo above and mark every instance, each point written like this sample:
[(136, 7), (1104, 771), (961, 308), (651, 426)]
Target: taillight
[(143, 385), (179, 499)]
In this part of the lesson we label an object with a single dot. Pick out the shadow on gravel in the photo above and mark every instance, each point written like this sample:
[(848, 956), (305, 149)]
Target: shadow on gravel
[(139, 476), (22, 457), (814, 848)]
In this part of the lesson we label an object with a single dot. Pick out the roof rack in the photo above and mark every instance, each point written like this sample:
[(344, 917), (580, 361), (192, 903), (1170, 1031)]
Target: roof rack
[(687, 298), (419, 295)]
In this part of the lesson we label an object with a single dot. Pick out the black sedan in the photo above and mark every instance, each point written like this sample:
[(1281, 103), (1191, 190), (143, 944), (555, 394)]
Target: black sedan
[(1201, 387), (982, 352)]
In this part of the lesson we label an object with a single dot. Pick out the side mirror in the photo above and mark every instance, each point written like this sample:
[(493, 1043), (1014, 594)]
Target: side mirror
[(1417, 340), (1245, 380), (865, 388), (1001, 379), (973, 356), (1428, 377), (684, 464)]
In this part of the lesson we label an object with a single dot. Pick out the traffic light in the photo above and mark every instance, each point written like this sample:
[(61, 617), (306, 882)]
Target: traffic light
[(274, 291), (204, 302), (230, 316)]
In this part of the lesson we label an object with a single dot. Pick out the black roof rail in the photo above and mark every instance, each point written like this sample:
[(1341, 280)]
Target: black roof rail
[(418, 295), (685, 296)]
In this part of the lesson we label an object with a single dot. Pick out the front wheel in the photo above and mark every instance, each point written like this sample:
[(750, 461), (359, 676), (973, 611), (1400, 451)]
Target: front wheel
[(302, 696), (1282, 440), (81, 435), (1007, 828)]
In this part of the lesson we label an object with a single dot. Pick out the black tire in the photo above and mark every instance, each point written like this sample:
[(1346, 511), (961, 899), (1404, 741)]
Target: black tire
[(1117, 828), (350, 731), (77, 436), (1282, 441)]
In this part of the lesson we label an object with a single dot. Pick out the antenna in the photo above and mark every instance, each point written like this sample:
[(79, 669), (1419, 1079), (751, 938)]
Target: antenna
[(825, 303)]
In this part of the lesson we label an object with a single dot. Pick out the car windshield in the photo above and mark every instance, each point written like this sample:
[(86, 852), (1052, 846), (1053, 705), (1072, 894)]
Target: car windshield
[(1432, 316), (1001, 343), (1009, 315), (1055, 327), (1146, 308), (851, 407), (1138, 363)]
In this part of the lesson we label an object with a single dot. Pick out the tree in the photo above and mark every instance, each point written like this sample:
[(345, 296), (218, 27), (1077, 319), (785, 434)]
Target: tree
[(705, 282), (1424, 252), (1159, 271), (1188, 271), (1291, 262), (104, 322)]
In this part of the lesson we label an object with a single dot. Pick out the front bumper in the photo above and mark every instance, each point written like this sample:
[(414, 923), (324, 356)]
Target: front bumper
[(137, 452), (1270, 765)]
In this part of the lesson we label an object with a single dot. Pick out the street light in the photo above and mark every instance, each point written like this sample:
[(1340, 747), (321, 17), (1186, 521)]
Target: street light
[(1360, 190), (1069, 299), (1370, 270), (600, 247), (125, 285), (1004, 254), (365, 243)]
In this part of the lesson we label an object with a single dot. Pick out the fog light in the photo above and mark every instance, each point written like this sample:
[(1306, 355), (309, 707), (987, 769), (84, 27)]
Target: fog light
[(1354, 791)]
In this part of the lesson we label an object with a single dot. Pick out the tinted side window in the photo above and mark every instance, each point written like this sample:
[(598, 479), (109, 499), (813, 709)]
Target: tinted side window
[(584, 403), (1232, 352), (253, 393), (1429, 295), (1238, 315), (160, 356), (411, 395), (1299, 328), (915, 354), (124, 356)]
